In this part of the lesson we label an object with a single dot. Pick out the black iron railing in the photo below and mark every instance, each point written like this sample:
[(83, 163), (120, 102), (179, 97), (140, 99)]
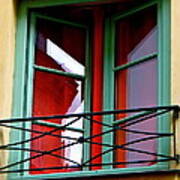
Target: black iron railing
[(123, 125)]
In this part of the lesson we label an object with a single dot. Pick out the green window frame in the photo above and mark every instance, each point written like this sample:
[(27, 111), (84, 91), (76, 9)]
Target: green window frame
[(32, 67), (163, 56), (23, 51)]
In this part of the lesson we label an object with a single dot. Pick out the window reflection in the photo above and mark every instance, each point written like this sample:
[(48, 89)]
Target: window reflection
[(145, 47), (57, 94), (68, 63)]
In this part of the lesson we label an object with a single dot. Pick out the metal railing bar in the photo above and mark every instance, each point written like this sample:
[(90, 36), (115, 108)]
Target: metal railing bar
[(134, 122), (95, 121), (174, 118), (38, 151), (153, 111), (130, 118), (122, 147), (102, 133), (14, 120), (71, 138), (40, 136), (28, 159), (130, 162), (72, 122), (30, 139), (141, 140), (49, 133), (34, 157), (146, 118), (38, 132), (144, 132), (120, 128)]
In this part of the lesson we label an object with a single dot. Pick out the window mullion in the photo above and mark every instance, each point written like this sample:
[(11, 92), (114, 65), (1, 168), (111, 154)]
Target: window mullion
[(135, 62), (108, 88), (29, 86), (59, 72)]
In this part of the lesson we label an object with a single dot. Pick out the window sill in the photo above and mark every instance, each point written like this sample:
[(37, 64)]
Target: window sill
[(155, 170)]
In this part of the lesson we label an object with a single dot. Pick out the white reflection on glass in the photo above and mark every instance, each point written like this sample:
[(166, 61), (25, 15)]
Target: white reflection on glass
[(142, 92), (69, 64), (147, 45)]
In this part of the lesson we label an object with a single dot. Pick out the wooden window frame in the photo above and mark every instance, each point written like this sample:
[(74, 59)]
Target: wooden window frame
[(20, 86)]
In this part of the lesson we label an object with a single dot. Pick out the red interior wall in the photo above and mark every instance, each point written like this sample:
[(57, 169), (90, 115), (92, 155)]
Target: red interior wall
[(97, 82)]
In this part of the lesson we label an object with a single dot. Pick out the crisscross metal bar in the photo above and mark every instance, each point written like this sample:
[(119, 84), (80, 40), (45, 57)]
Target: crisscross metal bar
[(121, 125)]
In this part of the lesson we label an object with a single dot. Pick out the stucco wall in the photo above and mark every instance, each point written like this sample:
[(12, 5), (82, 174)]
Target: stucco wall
[(175, 65), (7, 46)]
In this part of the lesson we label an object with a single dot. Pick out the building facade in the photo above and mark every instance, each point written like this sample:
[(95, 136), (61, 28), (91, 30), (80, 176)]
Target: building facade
[(92, 88)]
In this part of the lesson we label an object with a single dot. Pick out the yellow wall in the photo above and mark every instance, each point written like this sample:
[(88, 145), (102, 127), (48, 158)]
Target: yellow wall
[(138, 177), (175, 58), (7, 46)]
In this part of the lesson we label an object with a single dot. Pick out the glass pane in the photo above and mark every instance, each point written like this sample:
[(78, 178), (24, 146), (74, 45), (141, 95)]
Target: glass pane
[(136, 36), (61, 148), (147, 145), (66, 45), (60, 47), (136, 87), (55, 94), (134, 142)]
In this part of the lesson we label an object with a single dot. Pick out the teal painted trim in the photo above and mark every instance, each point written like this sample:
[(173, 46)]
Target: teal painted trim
[(19, 82), (124, 120), (29, 86), (136, 62), (108, 87), (164, 93), (55, 71), (61, 127), (134, 10), (60, 21), (96, 173), (163, 67), (87, 99), (33, 67), (48, 3)]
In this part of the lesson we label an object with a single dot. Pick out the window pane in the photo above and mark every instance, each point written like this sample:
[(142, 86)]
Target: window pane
[(136, 87), (62, 150), (61, 47), (133, 142), (66, 45), (55, 94), (136, 36)]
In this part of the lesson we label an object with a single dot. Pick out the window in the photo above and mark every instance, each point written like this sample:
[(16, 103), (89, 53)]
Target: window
[(89, 57), (136, 75), (59, 72)]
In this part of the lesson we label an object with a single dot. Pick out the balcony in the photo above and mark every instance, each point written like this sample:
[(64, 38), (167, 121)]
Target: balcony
[(78, 139)]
